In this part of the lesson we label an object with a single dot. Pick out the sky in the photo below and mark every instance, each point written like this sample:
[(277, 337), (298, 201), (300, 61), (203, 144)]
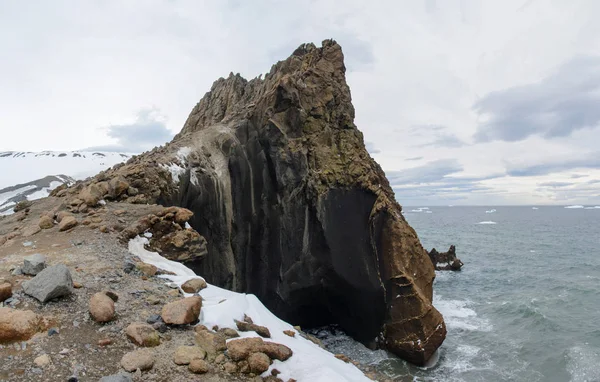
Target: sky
[(460, 101)]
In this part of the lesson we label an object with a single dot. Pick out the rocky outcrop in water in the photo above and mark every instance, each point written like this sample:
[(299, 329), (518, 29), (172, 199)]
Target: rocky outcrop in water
[(445, 261), (292, 207)]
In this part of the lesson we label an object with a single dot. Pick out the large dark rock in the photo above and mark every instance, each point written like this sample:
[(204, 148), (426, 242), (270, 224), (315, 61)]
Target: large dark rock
[(445, 261), (293, 208)]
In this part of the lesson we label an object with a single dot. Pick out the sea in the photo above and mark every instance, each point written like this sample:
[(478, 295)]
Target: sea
[(525, 306)]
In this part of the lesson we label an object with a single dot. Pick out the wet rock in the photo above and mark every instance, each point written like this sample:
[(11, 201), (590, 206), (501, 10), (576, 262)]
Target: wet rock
[(18, 325), (185, 354), (142, 359), (181, 312), (5, 291), (142, 334), (248, 327), (67, 223), (199, 366), (445, 261), (102, 307), (259, 362), (52, 282), (34, 264), (193, 285)]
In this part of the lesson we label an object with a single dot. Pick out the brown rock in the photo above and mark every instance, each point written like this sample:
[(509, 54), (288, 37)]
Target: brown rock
[(242, 348), (117, 187), (181, 312), (146, 269), (212, 343), (104, 229), (92, 194), (142, 359), (119, 212), (174, 293), (243, 367), (290, 333), (182, 215), (5, 291), (185, 354), (77, 285), (229, 333), (102, 307), (61, 215), (230, 367), (67, 223), (259, 362), (277, 351), (343, 357), (104, 342), (199, 366), (193, 285), (244, 326), (30, 231), (142, 334), (18, 325), (42, 361), (112, 295), (46, 222), (86, 222)]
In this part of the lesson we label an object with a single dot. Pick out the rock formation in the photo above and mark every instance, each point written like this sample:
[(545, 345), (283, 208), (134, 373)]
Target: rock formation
[(445, 261), (290, 206)]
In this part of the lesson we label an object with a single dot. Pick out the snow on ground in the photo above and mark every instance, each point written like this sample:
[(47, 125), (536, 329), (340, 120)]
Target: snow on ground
[(220, 307), (24, 167)]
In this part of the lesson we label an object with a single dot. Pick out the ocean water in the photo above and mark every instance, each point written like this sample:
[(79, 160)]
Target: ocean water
[(525, 307)]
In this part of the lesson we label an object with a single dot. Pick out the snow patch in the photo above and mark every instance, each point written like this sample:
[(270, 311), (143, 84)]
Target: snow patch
[(220, 307)]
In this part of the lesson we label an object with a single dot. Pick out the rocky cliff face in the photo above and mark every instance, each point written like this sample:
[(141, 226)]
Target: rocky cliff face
[(293, 208)]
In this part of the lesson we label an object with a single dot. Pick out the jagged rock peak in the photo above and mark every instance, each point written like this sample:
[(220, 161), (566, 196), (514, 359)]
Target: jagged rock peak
[(308, 68)]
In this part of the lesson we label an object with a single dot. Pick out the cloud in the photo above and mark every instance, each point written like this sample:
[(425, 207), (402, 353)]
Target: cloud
[(428, 173), (437, 136), (556, 184), (445, 140), (577, 176), (560, 104), (413, 159), (370, 146), (591, 161), (147, 132)]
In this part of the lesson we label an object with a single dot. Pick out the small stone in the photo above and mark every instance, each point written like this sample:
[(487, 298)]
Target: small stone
[(17, 271), (248, 327), (119, 212), (290, 333), (275, 372), (42, 361), (220, 359), (116, 378), (5, 291), (185, 354), (153, 300), (160, 326), (67, 223), (46, 222), (153, 318), (229, 333), (142, 334), (147, 269), (77, 285), (52, 282), (112, 295), (104, 229), (34, 264), (174, 293), (199, 366), (259, 362), (104, 342), (193, 285), (230, 367), (102, 307), (142, 359), (244, 367), (343, 357), (277, 351), (53, 332), (181, 312)]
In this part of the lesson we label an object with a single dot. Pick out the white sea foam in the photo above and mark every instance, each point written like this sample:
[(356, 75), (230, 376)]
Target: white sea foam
[(487, 222), (582, 363), (534, 208), (490, 211), (458, 315), (575, 207), (220, 307)]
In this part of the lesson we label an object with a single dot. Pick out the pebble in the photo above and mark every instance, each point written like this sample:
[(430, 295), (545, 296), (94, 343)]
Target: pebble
[(153, 318), (53, 331)]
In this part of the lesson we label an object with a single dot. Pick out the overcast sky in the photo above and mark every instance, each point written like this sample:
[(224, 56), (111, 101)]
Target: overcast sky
[(460, 101)]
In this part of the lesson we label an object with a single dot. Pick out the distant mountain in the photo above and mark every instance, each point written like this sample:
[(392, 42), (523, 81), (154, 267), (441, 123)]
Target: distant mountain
[(32, 175)]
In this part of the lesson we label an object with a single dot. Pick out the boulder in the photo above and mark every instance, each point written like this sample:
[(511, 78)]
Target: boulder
[(193, 285), (146, 269), (61, 215), (142, 334), (445, 261), (199, 366), (5, 291), (181, 312), (250, 327), (117, 187), (33, 264), (185, 354), (259, 362), (142, 359), (32, 230), (210, 342), (92, 194), (240, 349), (67, 223), (52, 282), (46, 222), (18, 325), (102, 307)]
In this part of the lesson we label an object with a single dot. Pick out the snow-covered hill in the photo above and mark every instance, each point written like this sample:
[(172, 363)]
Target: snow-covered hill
[(31, 175)]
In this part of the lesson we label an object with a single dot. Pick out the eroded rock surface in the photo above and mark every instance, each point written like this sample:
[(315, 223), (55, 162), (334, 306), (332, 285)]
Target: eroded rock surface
[(445, 261)]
